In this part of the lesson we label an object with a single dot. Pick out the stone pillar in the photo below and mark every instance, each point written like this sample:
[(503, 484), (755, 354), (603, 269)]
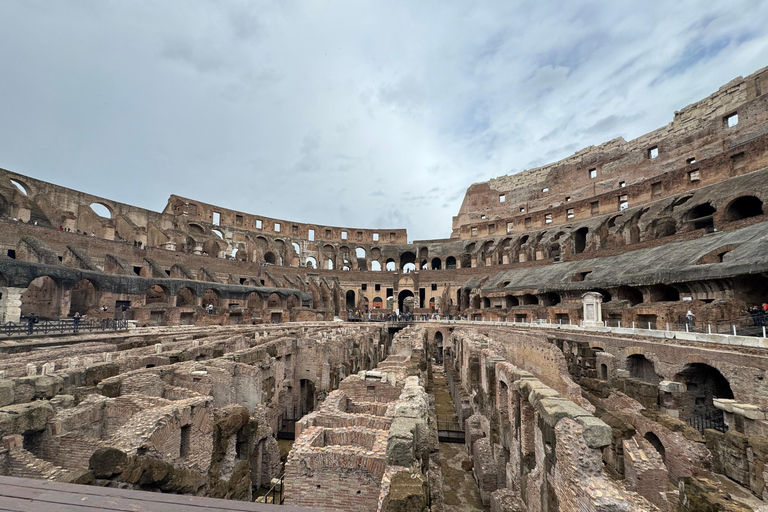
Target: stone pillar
[(593, 311), (10, 304)]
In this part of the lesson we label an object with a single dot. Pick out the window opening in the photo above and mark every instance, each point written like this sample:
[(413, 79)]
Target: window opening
[(569, 213), (502, 198), (593, 173), (375, 237), (311, 235), (216, 218), (653, 152), (277, 227), (731, 120), (258, 223)]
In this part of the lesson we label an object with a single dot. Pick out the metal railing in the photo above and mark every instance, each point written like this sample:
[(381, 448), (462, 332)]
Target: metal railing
[(710, 419), (275, 493), (63, 326)]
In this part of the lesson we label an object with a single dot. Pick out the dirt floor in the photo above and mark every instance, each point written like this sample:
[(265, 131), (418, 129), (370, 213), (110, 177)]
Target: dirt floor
[(459, 486)]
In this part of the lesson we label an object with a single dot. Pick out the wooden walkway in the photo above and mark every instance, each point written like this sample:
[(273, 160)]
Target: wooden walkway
[(30, 495)]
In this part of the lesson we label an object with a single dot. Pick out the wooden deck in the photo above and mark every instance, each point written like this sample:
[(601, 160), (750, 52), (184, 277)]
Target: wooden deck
[(30, 495)]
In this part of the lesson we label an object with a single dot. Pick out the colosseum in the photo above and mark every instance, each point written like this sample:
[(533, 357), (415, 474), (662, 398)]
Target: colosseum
[(591, 337)]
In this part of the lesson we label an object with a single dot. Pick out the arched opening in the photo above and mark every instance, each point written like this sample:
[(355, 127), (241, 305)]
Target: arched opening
[(550, 299), (631, 294), (436, 264), (744, 207), (311, 262), (391, 265), (432, 303), (486, 303), (450, 262), (405, 300), (607, 297), (42, 298), (292, 302), (306, 397), (296, 248), (329, 264), (664, 293), (750, 288), (366, 303), (376, 266), (350, 299), (196, 228), (659, 228), (211, 248), (641, 368), (529, 299), (274, 301), (703, 384), (657, 444), (254, 301), (360, 253), (603, 371), (210, 298), (84, 297), (378, 303), (409, 267), (438, 347), (580, 240), (511, 301), (407, 258), (218, 233), (701, 216), (156, 294), (101, 210), (270, 258), (185, 297), (22, 188)]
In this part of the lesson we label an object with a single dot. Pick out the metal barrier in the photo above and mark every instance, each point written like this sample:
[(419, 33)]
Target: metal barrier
[(63, 326), (275, 493), (711, 419)]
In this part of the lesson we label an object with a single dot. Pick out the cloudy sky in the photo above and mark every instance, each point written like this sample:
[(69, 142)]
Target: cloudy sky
[(359, 113)]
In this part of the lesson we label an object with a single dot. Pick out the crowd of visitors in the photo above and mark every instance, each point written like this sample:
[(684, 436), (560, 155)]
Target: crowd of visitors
[(759, 314)]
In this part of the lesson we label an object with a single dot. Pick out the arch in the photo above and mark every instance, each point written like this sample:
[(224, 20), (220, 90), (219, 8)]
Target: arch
[(329, 263), (403, 302), (409, 267), (210, 297), (700, 216), (375, 266), (350, 299), (24, 189), (311, 262), (391, 265), (432, 303), (529, 299), (450, 262), (703, 384), (580, 240), (270, 258), (680, 201), (511, 301), (274, 301), (743, 207), (377, 303), (406, 258), (664, 293), (296, 248), (196, 228), (185, 297), (486, 303), (254, 301), (84, 297), (550, 299), (218, 233), (156, 294), (657, 444), (607, 297), (661, 227), (631, 294), (360, 253), (212, 248), (102, 210), (436, 264), (292, 302), (42, 297), (641, 368)]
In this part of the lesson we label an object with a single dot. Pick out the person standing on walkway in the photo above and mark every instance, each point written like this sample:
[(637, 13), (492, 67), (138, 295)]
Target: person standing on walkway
[(31, 321), (76, 321)]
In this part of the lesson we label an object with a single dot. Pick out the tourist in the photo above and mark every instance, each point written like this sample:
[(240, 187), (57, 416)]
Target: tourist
[(209, 309), (689, 318), (31, 321), (76, 321)]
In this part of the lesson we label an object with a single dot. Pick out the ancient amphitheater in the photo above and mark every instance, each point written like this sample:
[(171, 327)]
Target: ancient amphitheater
[(586, 340)]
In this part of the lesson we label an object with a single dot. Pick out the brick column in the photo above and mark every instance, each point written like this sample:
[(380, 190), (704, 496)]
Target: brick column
[(10, 304)]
